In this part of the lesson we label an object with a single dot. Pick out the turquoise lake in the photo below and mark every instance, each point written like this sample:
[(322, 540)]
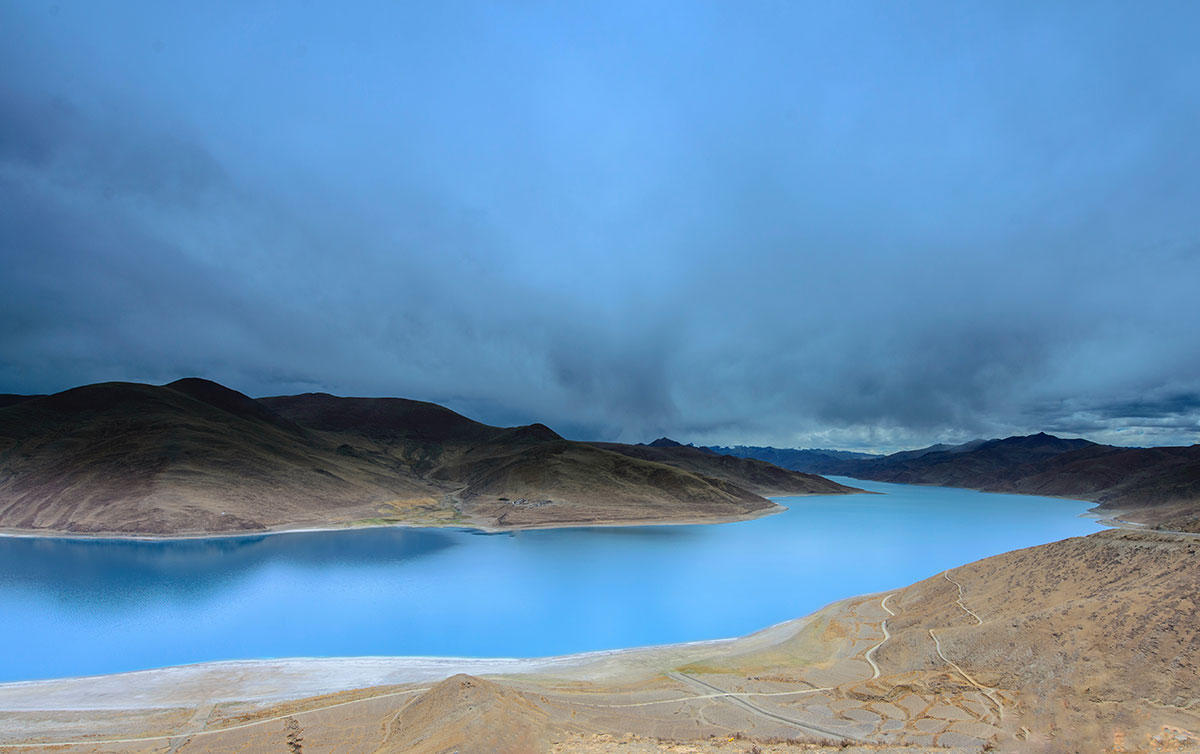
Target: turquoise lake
[(80, 607)]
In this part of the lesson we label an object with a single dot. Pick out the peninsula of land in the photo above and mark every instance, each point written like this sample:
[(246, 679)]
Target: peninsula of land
[(194, 458)]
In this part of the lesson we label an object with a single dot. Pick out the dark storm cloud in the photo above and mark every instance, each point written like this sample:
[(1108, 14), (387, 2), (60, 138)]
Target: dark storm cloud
[(858, 226), (1154, 407)]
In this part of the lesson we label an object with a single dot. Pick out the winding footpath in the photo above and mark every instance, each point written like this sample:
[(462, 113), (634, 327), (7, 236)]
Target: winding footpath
[(987, 691), (870, 655), (959, 601)]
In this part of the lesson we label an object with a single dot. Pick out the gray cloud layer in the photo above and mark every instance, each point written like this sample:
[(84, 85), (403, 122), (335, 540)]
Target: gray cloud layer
[(858, 227)]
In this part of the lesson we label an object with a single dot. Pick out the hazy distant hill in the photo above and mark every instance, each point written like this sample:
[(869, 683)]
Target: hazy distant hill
[(905, 455), (755, 475), (1160, 486), (196, 457)]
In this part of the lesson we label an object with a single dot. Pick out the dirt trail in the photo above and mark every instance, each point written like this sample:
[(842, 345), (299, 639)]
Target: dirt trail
[(870, 655), (741, 701), (195, 724), (988, 691), (959, 601)]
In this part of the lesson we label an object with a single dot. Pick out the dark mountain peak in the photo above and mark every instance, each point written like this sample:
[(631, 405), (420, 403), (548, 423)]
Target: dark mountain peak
[(151, 424), (380, 418), (223, 398), (100, 396), (1025, 439), (1040, 437), (536, 432), (665, 442), (199, 385), (1041, 441)]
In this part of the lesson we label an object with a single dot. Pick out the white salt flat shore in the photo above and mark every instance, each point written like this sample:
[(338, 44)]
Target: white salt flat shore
[(270, 681)]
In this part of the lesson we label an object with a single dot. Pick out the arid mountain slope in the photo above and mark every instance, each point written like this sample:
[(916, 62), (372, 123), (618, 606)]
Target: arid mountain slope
[(1158, 486), (751, 474), (193, 457), (189, 457), (524, 476), (382, 418), (560, 482)]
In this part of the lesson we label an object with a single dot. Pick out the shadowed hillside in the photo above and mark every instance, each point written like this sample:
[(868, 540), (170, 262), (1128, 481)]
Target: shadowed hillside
[(524, 476), (187, 457), (382, 418), (754, 475)]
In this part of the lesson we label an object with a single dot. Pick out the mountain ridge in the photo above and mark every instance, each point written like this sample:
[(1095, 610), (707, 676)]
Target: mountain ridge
[(758, 476)]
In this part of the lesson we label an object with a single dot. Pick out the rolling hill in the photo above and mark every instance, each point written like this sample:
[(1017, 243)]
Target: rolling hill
[(188, 457), (760, 477)]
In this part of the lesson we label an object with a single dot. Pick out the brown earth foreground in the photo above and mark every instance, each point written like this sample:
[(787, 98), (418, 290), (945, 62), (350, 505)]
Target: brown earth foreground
[(1085, 645)]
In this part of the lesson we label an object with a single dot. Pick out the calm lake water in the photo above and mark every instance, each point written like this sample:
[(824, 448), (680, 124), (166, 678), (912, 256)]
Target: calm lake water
[(78, 607)]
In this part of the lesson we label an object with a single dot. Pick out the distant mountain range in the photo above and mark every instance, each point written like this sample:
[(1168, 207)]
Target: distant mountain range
[(194, 457), (1157, 486)]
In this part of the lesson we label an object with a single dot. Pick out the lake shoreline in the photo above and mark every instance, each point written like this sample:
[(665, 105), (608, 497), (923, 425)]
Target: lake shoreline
[(56, 534), (271, 680)]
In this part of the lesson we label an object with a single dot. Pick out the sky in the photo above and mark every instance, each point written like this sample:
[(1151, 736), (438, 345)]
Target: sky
[(856, 225)]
